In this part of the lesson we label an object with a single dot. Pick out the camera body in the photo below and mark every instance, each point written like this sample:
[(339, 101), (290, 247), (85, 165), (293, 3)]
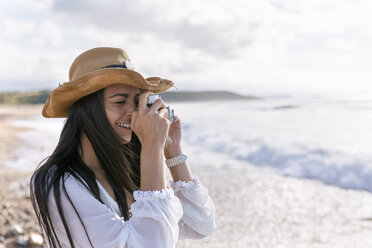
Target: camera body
[(150, 101)]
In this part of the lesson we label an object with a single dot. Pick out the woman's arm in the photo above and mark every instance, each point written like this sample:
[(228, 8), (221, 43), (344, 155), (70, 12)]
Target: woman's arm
[(152, 168), (173, 148), (182, 171), (151, 127), (198, 220)]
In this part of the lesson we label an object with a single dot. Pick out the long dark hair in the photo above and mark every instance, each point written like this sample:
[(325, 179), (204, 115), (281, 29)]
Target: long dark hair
[(119, 161)]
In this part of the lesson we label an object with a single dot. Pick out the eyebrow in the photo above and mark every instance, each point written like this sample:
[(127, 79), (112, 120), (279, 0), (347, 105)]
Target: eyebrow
[(120, 94), (123, 95)]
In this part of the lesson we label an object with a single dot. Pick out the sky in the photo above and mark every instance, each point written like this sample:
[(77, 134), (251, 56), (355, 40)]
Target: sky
[(252, 47)]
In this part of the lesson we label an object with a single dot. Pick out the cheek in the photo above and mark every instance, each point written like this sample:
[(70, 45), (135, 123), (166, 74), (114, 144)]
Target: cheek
[(113, 115), (111, 120)]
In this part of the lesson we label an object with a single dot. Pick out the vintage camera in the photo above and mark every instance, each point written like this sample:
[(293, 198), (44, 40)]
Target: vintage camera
[(153, 98)]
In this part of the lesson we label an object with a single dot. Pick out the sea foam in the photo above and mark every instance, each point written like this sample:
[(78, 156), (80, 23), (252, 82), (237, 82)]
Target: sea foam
[(323, 140)]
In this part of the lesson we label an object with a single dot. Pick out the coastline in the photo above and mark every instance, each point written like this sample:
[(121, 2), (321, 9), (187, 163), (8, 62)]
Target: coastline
[(255, 207), (8, 132), (18, 224)]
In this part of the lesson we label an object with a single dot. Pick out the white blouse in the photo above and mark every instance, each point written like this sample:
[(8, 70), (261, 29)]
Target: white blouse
[(159, 218)]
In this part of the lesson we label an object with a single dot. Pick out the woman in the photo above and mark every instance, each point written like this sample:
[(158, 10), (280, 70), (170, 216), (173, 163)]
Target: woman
[(104, 185)]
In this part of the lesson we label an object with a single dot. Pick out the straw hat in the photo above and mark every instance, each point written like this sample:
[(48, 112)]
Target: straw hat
[(96, 69)]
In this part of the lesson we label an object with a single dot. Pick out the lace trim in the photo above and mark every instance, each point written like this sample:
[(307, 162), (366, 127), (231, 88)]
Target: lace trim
[(190, 185), (152, 195)]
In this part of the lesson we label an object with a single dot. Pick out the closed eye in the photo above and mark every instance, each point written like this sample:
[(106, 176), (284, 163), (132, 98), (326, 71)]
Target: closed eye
[(136, 100)]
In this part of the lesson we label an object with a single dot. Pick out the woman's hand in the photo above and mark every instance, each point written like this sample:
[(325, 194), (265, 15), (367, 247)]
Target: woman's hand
[(173, 148), (173, 142), (150, 124), (151, 127)]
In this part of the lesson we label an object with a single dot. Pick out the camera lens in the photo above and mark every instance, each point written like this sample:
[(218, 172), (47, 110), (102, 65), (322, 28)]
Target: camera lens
[(170, 114)]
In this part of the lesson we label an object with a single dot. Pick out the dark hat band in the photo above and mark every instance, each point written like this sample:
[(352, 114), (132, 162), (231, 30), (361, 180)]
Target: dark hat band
[(116, 66)]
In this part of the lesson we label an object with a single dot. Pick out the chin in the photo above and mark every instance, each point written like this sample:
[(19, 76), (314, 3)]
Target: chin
[(125, 141), (125, 138), (125, 135)]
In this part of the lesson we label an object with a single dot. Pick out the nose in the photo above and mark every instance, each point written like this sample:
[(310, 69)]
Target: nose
[(131, 107)]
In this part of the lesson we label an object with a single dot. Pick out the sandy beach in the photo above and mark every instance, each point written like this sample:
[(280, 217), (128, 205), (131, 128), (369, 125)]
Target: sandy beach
[(255, 207), (18, 225)]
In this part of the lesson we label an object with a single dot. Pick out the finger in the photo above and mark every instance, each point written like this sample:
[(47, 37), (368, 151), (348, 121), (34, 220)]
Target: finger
[(142, 104), (163, 112), (133, 119), (176, 122), (176, 119), (158, 104)]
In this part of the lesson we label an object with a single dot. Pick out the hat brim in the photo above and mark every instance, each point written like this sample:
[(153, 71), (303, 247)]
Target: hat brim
[(63, 97)]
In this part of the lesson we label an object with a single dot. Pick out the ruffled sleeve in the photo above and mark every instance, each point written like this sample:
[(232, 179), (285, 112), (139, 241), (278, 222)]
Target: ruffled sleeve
[(154, 221), (198, 219)]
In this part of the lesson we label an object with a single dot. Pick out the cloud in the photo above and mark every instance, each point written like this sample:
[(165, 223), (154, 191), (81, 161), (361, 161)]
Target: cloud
[(236, 44), (34, 5), (219, 37), (17, 28)]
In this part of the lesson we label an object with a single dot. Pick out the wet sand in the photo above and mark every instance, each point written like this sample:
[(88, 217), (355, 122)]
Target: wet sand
[(17, 220), (257, 208)]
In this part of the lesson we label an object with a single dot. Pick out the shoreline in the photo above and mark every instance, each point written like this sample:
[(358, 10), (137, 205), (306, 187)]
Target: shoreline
[(9, 141), (18, 224), (255, 207)]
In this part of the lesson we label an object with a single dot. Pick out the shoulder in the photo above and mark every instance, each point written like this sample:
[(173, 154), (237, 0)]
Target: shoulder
[(47, 179)]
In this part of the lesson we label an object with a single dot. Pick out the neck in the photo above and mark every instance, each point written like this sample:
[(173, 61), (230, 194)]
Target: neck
[(88, 155)]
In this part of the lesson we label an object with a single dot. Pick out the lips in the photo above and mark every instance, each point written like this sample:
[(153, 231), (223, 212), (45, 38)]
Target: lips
[(125, 125)]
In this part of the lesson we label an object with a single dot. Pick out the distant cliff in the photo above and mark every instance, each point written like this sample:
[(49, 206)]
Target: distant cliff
[(186, 96), (39, 97), (32, 97)]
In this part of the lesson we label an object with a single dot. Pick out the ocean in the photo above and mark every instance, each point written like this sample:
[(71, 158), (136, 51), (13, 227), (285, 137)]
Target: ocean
[(325, 140)]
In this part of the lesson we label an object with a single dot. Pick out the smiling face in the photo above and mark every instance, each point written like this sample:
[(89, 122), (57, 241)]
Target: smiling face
[(120, 101)]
